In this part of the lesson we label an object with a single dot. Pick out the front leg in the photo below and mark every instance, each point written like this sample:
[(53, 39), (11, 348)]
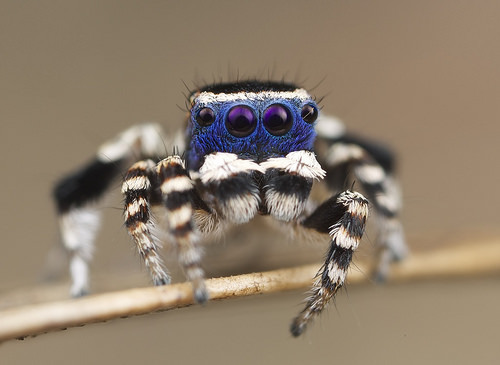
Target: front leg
[(343, 217), (166, 184), (178, 197)]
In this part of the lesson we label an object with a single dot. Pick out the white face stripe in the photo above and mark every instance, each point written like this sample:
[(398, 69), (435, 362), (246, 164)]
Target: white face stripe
[(206, 97)]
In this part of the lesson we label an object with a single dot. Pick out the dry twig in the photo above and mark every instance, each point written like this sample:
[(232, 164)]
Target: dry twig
[(41, 318)]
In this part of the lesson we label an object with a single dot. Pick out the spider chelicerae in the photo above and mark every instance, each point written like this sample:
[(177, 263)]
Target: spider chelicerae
[(249, 147)]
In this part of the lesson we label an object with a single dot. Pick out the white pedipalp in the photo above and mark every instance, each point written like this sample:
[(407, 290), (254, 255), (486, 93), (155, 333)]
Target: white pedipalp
[(222, 165), (302, 163)]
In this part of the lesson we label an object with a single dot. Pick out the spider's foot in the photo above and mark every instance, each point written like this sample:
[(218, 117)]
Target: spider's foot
[(393, 249), (79, 292), (379, 277), (387, 258), (200, 292), (164, 280), (298, 326)]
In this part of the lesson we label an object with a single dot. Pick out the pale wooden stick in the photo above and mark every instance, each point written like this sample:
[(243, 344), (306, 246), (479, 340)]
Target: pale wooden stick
[(35, 319)]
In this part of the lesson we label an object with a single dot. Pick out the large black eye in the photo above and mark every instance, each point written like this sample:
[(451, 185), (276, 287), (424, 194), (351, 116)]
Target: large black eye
[(241, 121), (309, 113), (277, 119), (205, 116)]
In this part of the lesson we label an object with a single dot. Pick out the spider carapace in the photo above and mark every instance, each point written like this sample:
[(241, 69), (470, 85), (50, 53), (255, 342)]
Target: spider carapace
[(249, 147)]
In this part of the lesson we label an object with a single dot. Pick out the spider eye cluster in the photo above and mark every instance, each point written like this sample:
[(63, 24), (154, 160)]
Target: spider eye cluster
[(241, 120)]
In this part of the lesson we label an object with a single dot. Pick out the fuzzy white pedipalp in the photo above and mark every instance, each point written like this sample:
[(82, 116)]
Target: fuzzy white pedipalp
[(302, 163)]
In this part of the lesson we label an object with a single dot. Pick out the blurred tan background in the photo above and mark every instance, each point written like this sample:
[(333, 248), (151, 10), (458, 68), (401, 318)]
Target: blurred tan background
[(423, 76)]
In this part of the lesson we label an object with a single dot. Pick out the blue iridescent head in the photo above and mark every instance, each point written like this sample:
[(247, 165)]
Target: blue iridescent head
[(253, 119)]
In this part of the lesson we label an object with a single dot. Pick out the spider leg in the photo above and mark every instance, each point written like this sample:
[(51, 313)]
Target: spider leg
[(178, 197), (371, 166), (343, 217), (78, 194), (139, 188), (79, 216)]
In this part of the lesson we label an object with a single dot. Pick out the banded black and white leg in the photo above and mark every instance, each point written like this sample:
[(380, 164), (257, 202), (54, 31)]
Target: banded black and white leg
[(140, 188), (371, 167), (221, 190), (79, 195), (343, 217), (167, 184), (288, 184)]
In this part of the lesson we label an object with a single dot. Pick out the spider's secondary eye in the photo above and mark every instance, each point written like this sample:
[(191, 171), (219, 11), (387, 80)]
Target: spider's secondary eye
[(277, 119), (205, 116), (309, 113), (241, 121)]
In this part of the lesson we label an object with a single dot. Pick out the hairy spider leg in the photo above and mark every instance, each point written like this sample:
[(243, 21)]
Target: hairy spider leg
[(371, 166), (343, 217), (139, 188), (79, 195), (178, 196)]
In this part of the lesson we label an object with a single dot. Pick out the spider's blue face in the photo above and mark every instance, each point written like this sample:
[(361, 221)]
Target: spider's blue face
[(255, 120)]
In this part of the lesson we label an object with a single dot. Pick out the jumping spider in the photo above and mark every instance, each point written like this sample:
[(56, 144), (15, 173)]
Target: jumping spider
[(248, 148)]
